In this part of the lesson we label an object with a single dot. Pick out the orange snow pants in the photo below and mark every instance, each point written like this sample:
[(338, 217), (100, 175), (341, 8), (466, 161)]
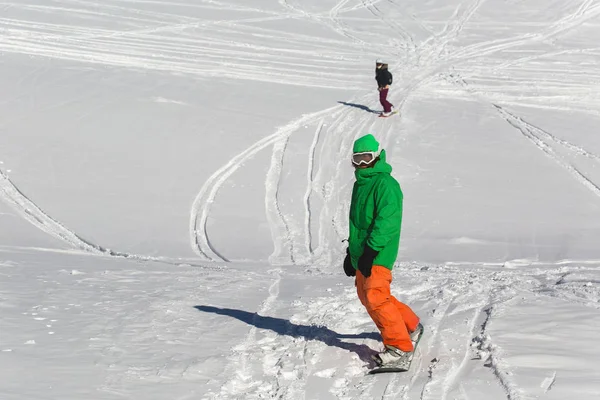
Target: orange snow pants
[(394, 319)]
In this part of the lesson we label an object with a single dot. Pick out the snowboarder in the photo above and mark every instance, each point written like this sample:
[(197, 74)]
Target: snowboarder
[(375, 221), (384, 80)]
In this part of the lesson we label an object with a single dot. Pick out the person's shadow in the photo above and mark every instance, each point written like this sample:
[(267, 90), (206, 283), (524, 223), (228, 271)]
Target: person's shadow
[(360, 106), (308, 332)]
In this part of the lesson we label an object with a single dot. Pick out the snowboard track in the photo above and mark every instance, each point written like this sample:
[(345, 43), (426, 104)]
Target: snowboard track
[(321, 184), (495, 362), (239, 368), (32, 213), (449, 295), (541, 139)]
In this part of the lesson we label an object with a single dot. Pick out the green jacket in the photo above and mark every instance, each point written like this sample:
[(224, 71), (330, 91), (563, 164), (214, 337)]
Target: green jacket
[(376, 214)]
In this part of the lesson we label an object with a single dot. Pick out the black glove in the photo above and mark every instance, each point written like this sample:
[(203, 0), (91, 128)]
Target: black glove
[(348, 268), (365, 262)]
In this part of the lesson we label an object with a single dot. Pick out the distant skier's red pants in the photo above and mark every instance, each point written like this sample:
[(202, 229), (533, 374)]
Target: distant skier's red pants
[(387, 106), (394, 319)]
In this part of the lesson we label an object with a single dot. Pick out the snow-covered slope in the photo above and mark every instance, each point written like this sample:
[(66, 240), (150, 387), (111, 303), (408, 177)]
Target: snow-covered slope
[(175, 181)]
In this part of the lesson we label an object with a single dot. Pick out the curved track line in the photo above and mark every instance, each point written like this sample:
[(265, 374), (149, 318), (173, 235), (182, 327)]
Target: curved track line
[(153, 47), (280, 228), (330, 215), (38, 218), (281, 222), (497, 365), (533, 134), (333, 158), (536, 135), (563, 25), (451, 379), (433, 326), (202, 203), (340, 28), (310, 188)]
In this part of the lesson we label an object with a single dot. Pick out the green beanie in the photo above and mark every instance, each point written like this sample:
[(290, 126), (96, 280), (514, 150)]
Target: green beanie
[(365, 143)]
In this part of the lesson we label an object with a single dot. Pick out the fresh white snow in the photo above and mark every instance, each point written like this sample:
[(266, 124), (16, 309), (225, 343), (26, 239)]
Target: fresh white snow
[(175, 182)]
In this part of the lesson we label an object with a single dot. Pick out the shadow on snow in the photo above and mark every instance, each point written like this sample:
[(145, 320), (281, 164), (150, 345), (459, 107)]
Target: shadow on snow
[(360, 106), (308, 332)]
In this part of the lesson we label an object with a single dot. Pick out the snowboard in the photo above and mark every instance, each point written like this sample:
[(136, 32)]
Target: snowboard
[(391, 114), (390, 367)]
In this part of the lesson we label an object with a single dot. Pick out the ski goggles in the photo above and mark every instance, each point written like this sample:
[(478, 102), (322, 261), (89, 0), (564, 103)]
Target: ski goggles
[(364, 158)]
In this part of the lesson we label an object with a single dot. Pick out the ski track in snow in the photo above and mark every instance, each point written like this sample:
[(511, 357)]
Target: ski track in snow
[(184, 53), (289, 248), (562, 26), (310, 188), (201, 206), (433, 326), (442, 295), (241, 382), (451, 294), (155, 47), (537, 135), (275, 216), (551, 145), (38, 218), (494, 361), (26, 35)]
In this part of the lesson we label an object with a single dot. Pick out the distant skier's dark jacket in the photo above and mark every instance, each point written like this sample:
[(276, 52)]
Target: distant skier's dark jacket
[(383, 77)]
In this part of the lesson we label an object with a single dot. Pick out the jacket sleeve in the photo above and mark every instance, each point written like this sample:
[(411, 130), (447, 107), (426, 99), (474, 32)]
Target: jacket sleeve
[(391, 78), (388, 215)]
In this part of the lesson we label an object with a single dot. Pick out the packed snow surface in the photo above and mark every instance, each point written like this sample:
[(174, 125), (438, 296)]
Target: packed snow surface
[(175, 180)]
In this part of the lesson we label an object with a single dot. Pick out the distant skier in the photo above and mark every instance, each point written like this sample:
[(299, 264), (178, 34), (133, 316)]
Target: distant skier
[(375, 221), (384, 81)]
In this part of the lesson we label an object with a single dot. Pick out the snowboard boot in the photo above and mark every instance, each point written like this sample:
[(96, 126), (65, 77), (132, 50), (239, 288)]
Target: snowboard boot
[(416, 334), (394, 357)]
